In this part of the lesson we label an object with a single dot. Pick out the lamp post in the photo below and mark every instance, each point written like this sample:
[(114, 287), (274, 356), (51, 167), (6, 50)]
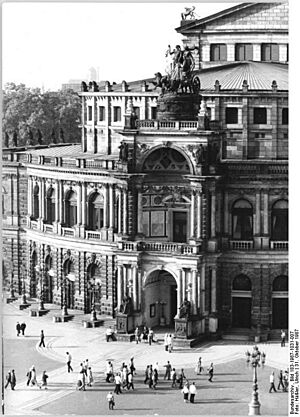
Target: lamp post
[(256, 358), (92, 284), (64, 310), (12, 290), (40, 270), (24, 272)]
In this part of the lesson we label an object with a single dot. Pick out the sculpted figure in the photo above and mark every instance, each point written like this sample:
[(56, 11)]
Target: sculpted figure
[(189, 12), (185, 309)]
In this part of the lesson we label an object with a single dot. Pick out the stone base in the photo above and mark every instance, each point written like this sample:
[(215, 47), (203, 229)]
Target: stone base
[(124, 323), (62, 319), (92, 323), (23, 306), (124, 337), (187, 343), (10, 300), (173, 106), (37, 312)]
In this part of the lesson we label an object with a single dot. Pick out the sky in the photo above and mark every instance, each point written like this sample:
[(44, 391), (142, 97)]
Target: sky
[(46, 44)]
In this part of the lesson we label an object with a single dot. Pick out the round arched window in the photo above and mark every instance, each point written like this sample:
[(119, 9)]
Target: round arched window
[(242, 220), (241, 283)]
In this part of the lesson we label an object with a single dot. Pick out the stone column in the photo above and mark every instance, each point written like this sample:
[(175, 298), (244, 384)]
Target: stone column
[(120, 285), (257, 214), (40, 199), (139, 211), (226, 214), (105, 206), (57, 202), (43, 185), (202, 288), (79, 203), (179, 290), (111, 206), (29, 197), (213, 214), (125, 212), (124, 280), (83, 203), (266, 217), (194, 291), (61, 202), (199, 291), (213, 290), (199, 214), (140, 286), (192, 215), (119, 212), (134, 286)]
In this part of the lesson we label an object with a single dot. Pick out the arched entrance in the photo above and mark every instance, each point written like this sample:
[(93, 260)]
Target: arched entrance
[(48, 280), (280, 305), (69, 283), (160, 299), (33, 276), (241, 302)]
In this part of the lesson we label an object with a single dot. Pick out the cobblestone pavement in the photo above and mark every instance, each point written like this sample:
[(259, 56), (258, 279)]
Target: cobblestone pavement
[(228, 395)]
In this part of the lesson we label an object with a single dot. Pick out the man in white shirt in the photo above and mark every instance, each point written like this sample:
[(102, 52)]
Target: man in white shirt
[(69, 359), (193, 391), (118, 381), (272, 383), (109, 334)]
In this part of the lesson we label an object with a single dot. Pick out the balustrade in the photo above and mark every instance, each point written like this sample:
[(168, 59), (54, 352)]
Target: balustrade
[(241, 244), (279, 245), (93, 235), (68, 232)]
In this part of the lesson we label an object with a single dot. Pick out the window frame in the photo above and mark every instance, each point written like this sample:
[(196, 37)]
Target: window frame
[(258, 119), (218, 52)]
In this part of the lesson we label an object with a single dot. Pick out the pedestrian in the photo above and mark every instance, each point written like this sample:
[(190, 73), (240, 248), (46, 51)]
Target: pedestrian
[(193, 391), (282, 336), (146, 374), (185, 391), (118, 381), (124, 376), (155, 366), (173, 378), (210, 372), (90, 378), (28, 375), (150, 383), (199, 367), (86, 366), (180, 379), (130, 381), (44, 380), (145, 334), (154, 378), (168, 371), (69, 359), (137, 335), (170, 343), (131, 366), (109, 334), (272, 383), (33, 377), (286, 380), (8, 379), (23, 327), (109, 371), (280, 380), (111, 400), (150, 336), (13, 380), (42, 341), (18, 328), (166, 341)]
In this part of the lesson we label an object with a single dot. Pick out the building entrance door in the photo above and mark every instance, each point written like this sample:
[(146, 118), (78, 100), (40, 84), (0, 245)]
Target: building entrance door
[(70, 294), (280, 311), (241, 312), (179, 226)]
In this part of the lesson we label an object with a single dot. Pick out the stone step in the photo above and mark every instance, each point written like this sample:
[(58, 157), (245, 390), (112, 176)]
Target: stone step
[(236, 336)]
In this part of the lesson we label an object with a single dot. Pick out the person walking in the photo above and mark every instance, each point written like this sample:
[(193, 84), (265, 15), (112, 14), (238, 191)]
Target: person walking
[(124, 376), (8, 379), (145, 334), (170, 343), (44, 380), (193, 391), (109, 371), (86, 366), (28, 375), (130, 381), (199, 367), (173, 378), (146, 374), (185, 391), (282, 336), (166, 341), (131, 366), (18, 328), (42, 341), (286, 380), (109, 334), (111, 400), (150, 336), (118, 381), (272, 383), (280, 380), (23, 327), (137, 335), (210, 372), (181, 377), (150, 383), (168, 371), (69, 360), (33, 377), (154, 378), (13, 380)]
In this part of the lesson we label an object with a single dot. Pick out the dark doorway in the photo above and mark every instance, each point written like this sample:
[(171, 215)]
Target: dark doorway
[(179, 226), (241, 312), (173, 302), (280, 313), (70, 294)]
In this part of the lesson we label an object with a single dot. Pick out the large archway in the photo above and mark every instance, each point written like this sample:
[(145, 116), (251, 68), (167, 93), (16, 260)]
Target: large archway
[(280, 305), (241, 302), (160, 299)]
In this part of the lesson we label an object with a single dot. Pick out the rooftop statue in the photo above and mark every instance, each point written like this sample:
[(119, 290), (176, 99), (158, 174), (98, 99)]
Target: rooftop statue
[(189, 12)]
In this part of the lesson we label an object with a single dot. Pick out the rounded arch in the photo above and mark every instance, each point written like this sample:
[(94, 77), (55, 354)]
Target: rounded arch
[(281, 204), (280, 302), (279, 221), (241, 203), (157, 268), (70, 208), (70, 194), (166, 159), (241, 283), (96, 210), (280, 284), (242, 220)]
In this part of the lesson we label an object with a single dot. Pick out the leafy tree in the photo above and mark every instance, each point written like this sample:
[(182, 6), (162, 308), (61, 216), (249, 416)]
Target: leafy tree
[(39, 137)]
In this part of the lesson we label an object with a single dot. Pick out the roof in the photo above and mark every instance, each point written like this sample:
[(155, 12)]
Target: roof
[(259, 76), (68, 150)]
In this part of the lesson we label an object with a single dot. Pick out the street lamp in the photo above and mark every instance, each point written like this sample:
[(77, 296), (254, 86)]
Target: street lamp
[(92, 285), (40, 270), (256, 358), (24, 273), (64, 310), (12, 290)]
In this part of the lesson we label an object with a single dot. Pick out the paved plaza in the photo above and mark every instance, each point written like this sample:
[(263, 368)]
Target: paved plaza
[(228, 394)]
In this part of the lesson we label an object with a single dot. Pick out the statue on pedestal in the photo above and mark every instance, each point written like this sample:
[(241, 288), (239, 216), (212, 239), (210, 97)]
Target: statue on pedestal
[(185, 309), (126, 306)]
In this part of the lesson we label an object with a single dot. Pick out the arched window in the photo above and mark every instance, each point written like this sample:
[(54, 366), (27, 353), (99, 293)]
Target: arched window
[(50, 205), (241, 283), (71, 209), (280, 284), (242, 220), (96, 211), (35, 211), (279, 219), (166, 159)]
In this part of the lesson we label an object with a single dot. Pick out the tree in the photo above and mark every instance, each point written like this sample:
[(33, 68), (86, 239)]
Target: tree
[(53, 137), (15, 139), (61, 136), (6, 143), (39, 137)]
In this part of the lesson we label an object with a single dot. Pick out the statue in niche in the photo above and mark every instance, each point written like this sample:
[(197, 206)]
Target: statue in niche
[(126, 305), (123, 152), (185, 309), (200, 157)]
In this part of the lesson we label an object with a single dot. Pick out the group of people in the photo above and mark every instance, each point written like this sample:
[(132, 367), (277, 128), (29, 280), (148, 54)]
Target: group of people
[(146, 335), (32, 378), (168, 342), (283, 381), (85, 374), (21, 328), (123, 378)]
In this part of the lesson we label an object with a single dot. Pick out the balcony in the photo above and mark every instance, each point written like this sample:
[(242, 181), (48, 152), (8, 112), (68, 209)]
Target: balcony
[(167, 125), (48, 228), (68, 232), (279, 245), (93, 235), (241, 244), (165, 247)]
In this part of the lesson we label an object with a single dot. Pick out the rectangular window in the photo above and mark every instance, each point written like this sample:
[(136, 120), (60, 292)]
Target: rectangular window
[(231, 115), (153, 113), (260, 115), (285, 116), (117, 114), (137, 112), (269, 52), (218, 52), (243, 52), (90, 113), (146, 223), (101, 113), (157, 223)]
